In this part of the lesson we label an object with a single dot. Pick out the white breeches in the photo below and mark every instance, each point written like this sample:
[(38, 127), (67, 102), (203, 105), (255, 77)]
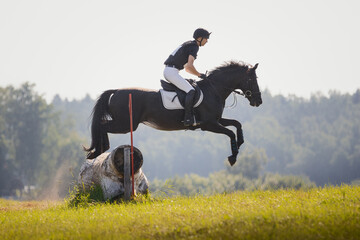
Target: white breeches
[(172, 75)]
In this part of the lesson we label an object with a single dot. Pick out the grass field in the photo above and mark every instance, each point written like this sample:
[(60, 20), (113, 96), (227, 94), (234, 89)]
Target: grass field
[(318, 213)]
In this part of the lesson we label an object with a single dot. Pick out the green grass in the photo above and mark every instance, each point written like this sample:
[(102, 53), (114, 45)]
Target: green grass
[(319, 213)]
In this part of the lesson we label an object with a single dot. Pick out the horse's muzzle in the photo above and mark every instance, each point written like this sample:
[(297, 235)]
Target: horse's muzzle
[(255, 103)]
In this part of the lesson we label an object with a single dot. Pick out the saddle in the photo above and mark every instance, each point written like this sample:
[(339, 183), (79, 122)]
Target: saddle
[(180, 94)]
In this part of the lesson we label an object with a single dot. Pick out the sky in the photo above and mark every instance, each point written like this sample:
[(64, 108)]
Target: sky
[(78, 47)]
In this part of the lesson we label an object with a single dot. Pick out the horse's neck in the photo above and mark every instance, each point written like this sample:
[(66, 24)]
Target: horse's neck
[(222, 88)]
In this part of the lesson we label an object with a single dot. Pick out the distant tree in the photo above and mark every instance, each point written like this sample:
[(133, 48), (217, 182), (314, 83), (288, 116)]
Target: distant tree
[(34, 141), (356, 97), (25, 117)]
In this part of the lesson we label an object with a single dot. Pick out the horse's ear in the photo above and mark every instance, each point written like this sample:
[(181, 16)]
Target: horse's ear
[(255, 67)]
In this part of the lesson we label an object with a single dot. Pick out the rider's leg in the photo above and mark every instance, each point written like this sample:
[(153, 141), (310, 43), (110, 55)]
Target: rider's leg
[(189, 118), (172, 75)]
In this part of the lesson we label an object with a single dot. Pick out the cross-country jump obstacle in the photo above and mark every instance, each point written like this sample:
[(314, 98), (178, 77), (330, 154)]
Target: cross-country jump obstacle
[(118, 173)]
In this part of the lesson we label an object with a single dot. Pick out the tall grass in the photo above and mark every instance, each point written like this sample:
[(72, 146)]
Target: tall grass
[(317, 213)]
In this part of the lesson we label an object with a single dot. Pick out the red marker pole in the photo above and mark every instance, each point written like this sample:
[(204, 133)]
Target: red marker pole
[(132, 146)]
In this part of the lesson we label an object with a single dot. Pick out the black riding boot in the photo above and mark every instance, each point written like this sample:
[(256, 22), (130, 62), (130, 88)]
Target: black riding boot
[(189, 119)]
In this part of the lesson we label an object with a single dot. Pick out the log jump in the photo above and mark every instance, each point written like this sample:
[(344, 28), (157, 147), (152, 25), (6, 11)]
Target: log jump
[(107, 171)]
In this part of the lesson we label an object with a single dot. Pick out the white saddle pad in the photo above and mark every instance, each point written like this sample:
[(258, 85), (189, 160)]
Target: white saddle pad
[(171, 102)]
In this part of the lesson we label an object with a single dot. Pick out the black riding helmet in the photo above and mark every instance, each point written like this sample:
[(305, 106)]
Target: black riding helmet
[(203, 33)]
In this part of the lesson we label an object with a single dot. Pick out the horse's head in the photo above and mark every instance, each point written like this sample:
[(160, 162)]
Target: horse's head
[(237, 75), (250, 87)]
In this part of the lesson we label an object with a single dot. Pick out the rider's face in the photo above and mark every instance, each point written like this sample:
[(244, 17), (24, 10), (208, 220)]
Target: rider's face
[(204, 41)]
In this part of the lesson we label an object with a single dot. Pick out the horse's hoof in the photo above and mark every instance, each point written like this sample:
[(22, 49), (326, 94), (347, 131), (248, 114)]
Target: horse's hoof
[(90, 155), (232, 160)]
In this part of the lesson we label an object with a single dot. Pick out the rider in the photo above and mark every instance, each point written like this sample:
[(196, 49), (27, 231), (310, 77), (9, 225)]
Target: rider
[(184, 56)]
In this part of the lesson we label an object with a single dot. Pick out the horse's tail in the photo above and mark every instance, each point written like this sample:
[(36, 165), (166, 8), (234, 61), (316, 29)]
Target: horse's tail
[(99, 137)]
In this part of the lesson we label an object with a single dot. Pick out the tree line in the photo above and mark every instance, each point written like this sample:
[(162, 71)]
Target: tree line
[(247, 175), (318, 138)]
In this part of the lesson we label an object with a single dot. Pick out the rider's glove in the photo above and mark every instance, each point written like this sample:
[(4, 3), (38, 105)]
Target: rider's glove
[(203, 76)]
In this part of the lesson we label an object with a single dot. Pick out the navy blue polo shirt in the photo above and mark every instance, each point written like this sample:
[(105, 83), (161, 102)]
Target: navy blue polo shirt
[(179, 57)]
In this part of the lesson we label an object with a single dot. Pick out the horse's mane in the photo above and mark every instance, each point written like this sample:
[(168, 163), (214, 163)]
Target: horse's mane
[(230, 67)]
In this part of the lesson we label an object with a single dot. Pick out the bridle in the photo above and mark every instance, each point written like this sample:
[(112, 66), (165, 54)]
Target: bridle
[(247, 93)]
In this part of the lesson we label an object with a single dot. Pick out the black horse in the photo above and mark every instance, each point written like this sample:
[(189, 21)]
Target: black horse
[(111, 111)]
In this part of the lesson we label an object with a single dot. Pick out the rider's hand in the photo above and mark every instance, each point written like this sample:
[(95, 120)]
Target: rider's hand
[(203, 76)]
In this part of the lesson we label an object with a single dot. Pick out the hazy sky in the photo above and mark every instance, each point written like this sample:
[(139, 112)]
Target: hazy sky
[(76, 47)]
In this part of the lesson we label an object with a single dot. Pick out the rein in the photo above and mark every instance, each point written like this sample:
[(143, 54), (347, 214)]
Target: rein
[(233, 105)]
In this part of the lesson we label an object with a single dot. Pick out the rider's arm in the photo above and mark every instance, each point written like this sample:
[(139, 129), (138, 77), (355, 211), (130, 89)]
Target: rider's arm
[(189, 66)]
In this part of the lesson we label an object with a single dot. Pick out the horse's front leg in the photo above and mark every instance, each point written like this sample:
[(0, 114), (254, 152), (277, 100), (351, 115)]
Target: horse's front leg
[(216, 127), (239, 133)]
